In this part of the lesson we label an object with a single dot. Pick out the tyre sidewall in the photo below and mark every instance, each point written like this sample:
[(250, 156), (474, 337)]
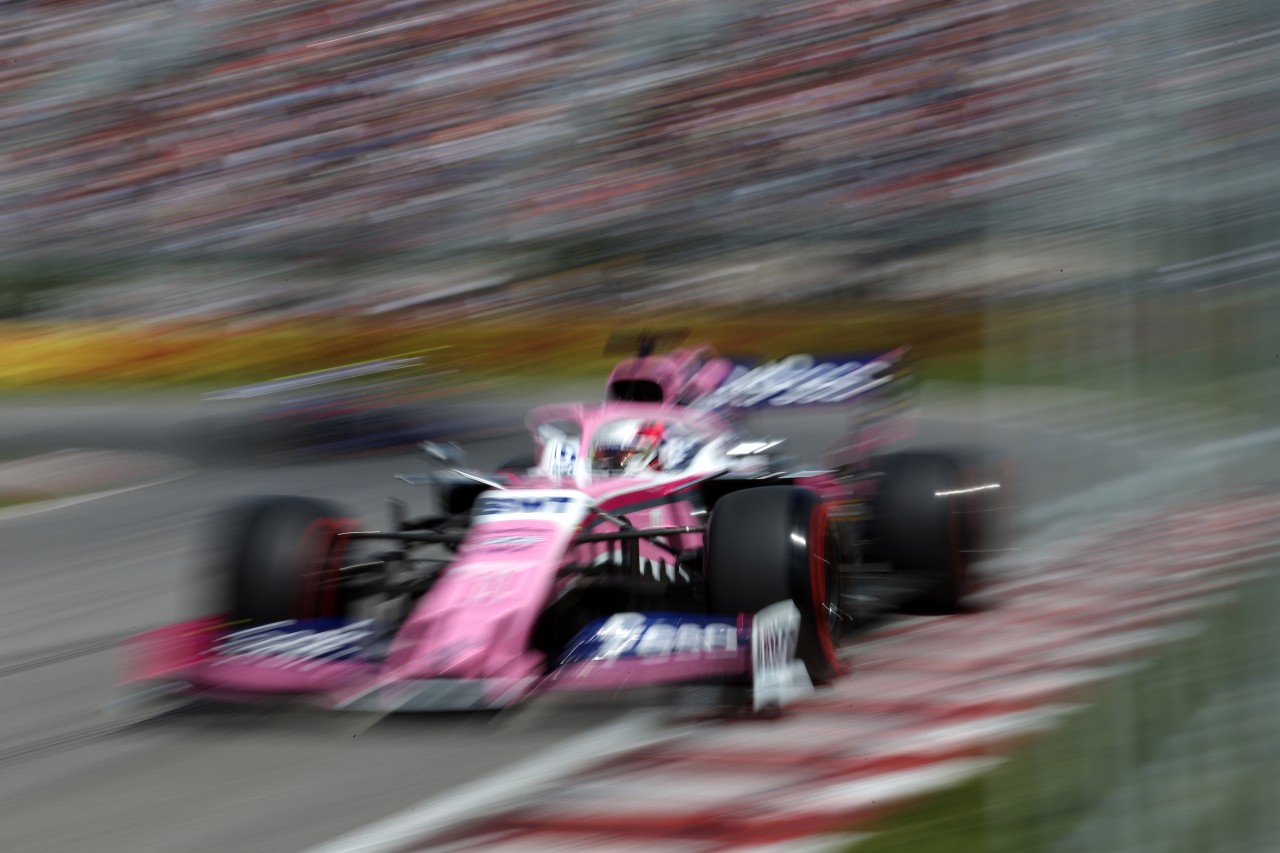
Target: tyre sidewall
[(280, 559), (768, 544)]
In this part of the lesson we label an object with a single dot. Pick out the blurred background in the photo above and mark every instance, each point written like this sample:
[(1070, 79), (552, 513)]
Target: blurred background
[(1086, 190), (201, 194)]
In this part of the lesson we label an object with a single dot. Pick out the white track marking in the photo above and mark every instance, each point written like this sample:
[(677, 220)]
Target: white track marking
[(883, 788), (812, 844), (509, 785), (62, 503)]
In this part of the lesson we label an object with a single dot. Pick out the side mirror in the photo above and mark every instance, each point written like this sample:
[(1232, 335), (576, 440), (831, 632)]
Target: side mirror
[(450, 456), (448, 453)]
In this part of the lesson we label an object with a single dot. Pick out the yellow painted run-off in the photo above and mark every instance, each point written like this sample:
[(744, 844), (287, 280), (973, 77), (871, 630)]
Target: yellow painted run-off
[(35, 355)]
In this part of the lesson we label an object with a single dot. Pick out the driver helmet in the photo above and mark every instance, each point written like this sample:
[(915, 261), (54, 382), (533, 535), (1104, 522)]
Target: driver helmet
[(628, 447)]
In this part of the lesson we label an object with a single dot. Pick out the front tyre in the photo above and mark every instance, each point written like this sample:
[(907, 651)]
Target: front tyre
[(278, 559), (771, 544)]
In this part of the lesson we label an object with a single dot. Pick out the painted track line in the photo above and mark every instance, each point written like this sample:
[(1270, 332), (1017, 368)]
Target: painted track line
[(41, 507), (815, 844), (492, 794)]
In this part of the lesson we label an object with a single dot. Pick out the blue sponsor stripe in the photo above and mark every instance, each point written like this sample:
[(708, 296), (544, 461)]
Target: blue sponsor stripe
[(329, 639), (656, 635)]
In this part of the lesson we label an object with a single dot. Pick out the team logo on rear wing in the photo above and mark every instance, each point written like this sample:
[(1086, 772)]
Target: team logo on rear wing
[(804, 380)]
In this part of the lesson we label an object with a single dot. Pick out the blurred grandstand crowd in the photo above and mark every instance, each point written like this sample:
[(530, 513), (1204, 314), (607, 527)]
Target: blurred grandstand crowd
[(242, 126)]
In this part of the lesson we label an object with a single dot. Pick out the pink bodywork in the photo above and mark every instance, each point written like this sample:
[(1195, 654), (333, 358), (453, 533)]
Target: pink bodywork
[(475, 624), (683, 375), (476, 621)]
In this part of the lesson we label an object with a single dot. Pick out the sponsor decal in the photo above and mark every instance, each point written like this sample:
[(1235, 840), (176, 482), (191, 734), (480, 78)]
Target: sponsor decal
[(799, 380), (485, 581), (542, 505), (653, 635), (562, 460), (510, 542), (678, 452), (527, 505), (303, 644)]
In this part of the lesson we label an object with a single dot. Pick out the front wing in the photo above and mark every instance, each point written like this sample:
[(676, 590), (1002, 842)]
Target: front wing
[(339, 664)]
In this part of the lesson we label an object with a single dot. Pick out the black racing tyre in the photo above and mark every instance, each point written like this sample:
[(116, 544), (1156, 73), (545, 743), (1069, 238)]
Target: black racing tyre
[(991, 479), (770, 544), (920, 527), (988, 480), (278, 559)]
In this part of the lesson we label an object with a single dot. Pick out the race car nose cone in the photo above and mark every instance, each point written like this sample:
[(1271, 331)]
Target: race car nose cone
[(455, 662), (466, 643)]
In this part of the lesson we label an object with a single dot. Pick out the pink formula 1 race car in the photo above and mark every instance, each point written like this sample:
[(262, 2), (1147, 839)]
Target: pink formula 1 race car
[(645, 542)]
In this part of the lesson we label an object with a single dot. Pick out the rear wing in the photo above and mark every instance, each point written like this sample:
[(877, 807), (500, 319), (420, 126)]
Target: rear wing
[(814, 380)]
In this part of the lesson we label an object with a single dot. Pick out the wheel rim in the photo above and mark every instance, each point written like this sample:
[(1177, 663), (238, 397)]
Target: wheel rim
[(824, 580), (319, 558)]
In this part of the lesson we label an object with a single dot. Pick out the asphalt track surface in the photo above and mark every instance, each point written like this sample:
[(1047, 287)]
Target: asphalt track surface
[(76, 579)]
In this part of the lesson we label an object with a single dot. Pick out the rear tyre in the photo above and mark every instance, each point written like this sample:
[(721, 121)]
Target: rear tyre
[(920, 526), (280, 558), (771, 544)]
